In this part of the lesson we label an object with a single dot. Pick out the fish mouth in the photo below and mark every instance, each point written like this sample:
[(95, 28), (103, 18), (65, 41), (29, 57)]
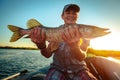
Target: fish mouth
[(107, 30)]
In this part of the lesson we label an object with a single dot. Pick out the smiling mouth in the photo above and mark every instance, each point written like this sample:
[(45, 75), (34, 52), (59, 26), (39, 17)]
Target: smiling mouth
[(71, 19)]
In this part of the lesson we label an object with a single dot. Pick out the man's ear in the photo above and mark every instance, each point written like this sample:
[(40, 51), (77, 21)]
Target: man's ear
[(62, 16)]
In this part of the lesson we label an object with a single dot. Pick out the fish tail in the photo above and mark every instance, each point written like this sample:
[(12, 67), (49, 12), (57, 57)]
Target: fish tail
[(16, 33)]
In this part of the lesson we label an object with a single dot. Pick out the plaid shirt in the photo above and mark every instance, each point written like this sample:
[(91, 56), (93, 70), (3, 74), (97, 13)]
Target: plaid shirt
[(54, 74)]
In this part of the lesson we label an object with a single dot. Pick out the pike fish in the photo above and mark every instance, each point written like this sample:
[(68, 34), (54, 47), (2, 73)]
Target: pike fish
[(54, 34)]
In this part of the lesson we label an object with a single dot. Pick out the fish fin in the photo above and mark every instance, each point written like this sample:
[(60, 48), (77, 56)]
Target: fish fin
[(33, 23), (16, 33), (13, 28)]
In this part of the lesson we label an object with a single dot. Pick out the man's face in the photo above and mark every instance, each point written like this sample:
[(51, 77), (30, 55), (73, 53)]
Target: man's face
[(70, 17)]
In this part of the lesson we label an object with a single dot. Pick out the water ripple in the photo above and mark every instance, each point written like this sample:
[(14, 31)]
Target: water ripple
[(14, 60)]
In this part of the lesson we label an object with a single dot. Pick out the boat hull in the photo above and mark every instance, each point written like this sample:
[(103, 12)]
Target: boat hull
[(101, 67)]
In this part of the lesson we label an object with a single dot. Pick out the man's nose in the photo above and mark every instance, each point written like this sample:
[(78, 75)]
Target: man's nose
[(71, 15)]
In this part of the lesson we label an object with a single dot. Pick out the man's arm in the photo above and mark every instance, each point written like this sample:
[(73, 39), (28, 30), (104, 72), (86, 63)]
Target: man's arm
[(38, 36), (73, 37), (47, 52)]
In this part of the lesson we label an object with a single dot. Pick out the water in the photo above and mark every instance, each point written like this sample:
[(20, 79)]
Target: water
[(15, 60)]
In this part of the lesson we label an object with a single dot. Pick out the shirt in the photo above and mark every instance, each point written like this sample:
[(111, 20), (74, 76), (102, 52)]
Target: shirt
[(63, 59)]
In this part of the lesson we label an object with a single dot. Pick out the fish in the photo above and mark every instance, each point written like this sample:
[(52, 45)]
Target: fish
[(53, 34)]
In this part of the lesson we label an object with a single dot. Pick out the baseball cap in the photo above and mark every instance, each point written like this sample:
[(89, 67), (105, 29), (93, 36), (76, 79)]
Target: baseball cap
[(71, 7)]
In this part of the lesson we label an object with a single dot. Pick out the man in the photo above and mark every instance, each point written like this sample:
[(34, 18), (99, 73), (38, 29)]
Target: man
[(68, 58)]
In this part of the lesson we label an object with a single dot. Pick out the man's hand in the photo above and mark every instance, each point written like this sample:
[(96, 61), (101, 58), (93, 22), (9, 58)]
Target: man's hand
[(38, 36), (72, 36)]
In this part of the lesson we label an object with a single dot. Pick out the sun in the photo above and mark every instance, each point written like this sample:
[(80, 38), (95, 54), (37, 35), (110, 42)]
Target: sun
[(108, 42)]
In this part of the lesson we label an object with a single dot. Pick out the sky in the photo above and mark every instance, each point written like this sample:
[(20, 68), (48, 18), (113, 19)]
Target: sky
[(101, 13)]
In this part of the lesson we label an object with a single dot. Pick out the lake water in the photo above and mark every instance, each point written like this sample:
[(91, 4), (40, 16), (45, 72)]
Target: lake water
[(15, 60)]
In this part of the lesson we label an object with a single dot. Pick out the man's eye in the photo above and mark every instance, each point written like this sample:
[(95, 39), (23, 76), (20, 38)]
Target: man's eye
[(67, 12), (74, 13)]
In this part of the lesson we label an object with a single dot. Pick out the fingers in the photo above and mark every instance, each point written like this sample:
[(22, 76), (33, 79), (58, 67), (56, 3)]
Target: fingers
[(64, 37), (32, 35), (72, 32), (77, 33), (66, 34), (71, 35), (37, 35), (43, 36)]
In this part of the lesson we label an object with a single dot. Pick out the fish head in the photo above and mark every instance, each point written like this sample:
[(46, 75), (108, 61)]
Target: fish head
[(98, 32)]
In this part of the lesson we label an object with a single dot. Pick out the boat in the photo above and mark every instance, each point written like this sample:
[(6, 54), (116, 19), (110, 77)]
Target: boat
[(101, 67)]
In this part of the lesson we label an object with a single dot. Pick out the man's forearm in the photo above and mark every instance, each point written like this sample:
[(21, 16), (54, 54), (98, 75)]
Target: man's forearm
[(78, 53), (44, 51), (41, 46)]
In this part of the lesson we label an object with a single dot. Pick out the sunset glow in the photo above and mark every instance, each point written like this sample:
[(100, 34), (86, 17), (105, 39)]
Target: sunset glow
[(108, 42)]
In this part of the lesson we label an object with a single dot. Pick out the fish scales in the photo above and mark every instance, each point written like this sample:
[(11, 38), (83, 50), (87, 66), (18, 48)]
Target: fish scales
[(54, 34)]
